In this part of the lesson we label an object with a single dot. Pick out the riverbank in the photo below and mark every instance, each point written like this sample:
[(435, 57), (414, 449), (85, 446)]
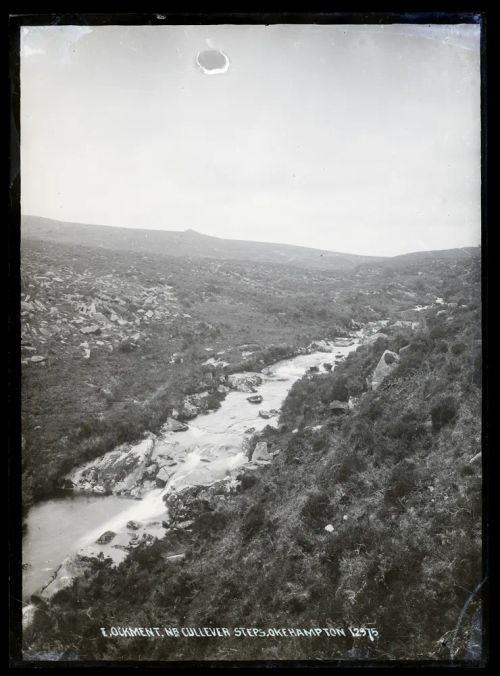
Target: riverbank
[(209, 449)]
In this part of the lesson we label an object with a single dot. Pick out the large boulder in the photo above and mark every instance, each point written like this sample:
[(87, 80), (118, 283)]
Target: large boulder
[(173, 425), (387, 363), (260, 452), (189, 409), (151, 471), (119, 472), (163, 476), (319, 346), (244, 382), (343, 342), (268, 414), (106, 537)]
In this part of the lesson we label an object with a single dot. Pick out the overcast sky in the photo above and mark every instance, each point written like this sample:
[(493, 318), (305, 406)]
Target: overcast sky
[(363, 139)]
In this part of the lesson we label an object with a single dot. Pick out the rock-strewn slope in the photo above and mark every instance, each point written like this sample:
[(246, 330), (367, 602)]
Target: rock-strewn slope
[(371, 518)]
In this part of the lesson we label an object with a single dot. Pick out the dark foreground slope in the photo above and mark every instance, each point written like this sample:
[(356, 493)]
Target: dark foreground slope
[(398, 482)]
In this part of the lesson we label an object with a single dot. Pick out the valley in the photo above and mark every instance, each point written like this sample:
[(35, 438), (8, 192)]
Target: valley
[(363, 470)]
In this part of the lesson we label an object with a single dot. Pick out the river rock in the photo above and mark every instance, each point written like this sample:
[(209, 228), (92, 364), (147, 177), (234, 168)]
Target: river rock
[(106, 537), (189, 410), (119, 472), (163, 476), (388, 362), (343, 342), (268, 414), (151, 471), (91, 475), (244, 382), (319, 346), (173, 425), (255, 399), (191, 502), (133, 525)]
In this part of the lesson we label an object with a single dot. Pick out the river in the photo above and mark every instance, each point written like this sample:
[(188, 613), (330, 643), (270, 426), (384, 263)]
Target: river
[(206, 452)]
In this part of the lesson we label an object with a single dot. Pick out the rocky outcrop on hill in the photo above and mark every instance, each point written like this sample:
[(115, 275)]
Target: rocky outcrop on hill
[(111, 312)]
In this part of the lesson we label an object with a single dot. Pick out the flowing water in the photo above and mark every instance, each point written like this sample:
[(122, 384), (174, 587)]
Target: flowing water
[(206, 452)]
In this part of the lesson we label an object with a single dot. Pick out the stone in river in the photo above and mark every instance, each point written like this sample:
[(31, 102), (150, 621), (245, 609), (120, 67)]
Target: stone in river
[(133, 525), (255, 399), (268, 414), (106, 537), (173, 425), (162, 477), (244, 383)]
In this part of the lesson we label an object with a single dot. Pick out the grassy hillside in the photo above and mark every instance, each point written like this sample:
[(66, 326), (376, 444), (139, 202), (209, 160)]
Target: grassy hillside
[(112, 340), (397, 481), (185, 243)]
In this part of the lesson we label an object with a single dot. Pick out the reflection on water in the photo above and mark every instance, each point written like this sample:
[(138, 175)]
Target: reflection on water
[(54, 530)]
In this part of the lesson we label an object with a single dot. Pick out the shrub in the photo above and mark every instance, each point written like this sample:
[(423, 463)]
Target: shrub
[(457, 348), (315, 505), (253, 521), (339, 390), (443, 413)]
